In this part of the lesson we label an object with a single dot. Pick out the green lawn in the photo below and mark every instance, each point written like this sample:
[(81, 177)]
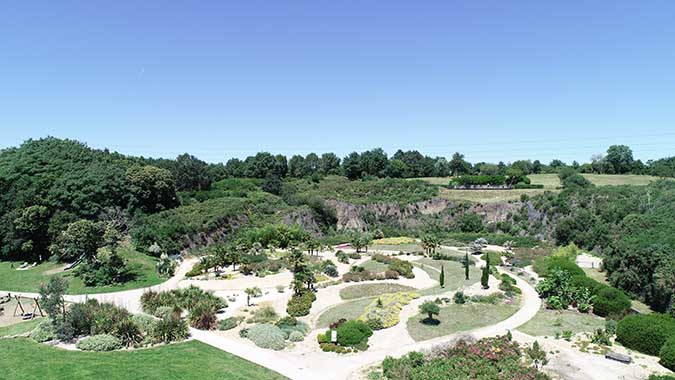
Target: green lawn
[(375, 266), (454, 274), (26, 360), (548, 322), (19, 328), (142, 266), (455, 318), (408, 247), (595, 274), (372, 290), (346, 310)]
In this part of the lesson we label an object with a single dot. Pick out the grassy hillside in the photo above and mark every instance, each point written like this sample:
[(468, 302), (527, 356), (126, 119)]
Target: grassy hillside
[(187, 361), (550, 182)]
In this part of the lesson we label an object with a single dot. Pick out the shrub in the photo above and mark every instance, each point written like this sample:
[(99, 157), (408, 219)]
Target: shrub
[(145, 323), (203, 316), (300, 304), (101, 342), (402, 368), (611, 302), (542, 265), (43, 332), (265, 314), (645, 333), (165, 312), (375, 324), (353, 333), (230, 323), (267, 336), (128, 332), (667, 354), (170, 329), (296, 336), (289, 325), (459, 298)]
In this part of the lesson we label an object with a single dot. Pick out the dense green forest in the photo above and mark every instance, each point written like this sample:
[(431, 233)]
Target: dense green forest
[(64, 200)]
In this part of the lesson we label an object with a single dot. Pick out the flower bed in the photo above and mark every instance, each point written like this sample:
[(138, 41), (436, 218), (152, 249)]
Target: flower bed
[(386, 308)]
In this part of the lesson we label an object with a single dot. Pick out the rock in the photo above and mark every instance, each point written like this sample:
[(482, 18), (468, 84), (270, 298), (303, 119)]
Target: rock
[(618, 357)]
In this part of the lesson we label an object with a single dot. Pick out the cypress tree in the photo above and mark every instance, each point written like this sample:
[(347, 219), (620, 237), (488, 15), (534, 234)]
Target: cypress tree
[(486, 273), (442, 278), (466, 266)]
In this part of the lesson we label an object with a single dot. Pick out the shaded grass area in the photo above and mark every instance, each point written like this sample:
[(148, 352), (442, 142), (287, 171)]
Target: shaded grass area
[(454, 275), (346, 310), (372, 290), (19, 328), (548, 322), (143, 268), (456, 318), (375, 266), (186, 361)]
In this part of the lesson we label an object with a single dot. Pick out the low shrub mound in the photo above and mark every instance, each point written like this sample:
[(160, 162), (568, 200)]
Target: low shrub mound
[(645, 333), (489, 358), (300, 304), (230, 323), (291, 327), (667, 354), (101, 342), (351, 336), (44, 332), (610, 302), (386, 309), (267, 336), (201, 305), (402, 267)]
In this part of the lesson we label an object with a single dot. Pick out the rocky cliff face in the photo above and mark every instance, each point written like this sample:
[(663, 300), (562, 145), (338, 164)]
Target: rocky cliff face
[(363, 217)]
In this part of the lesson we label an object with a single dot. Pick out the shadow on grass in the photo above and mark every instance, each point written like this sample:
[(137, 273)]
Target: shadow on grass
[(430, 321)]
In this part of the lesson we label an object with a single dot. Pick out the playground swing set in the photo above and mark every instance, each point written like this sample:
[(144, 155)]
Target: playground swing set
[(19, 306)]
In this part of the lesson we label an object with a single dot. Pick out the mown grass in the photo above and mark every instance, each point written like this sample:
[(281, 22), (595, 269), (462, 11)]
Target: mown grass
[(409, 247), (19, 328), (23, 359), (346, 310), (375, 266), (142, 266), (454, 275), (372, 290), (456, 318), (548, 322)]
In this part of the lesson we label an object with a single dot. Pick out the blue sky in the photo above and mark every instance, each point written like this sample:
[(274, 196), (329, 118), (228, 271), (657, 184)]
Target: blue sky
[(493, 79)]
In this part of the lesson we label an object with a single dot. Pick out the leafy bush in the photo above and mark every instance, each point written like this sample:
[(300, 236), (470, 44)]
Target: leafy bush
[(353, 333), (101, 342), (611, 302), (542, 266), (267, 336), (128, 332), (230, 323), (296, 336), (43, 332), (299, 305), (289, 325), (645, 333), (459, 298), (401, 368), (667, 354), (145, 323)]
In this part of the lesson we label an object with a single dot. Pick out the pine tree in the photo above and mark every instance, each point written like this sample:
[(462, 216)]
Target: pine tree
[(466, 266), (442, 278)]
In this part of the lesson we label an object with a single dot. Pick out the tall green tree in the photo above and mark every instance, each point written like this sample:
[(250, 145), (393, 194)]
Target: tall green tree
[(81, 239), (441, 278)]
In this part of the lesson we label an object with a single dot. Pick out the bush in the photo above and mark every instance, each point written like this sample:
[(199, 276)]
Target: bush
[(289, 325), (267, 336), (353, 333), (127, 332), (459, 298), (375, 324), (101, 342), (401, 368), (230, 323), (43, 332), (170, 329), (542, 265), (296, 336), (265, 314), (145, 323), (667, 354), (300, 304), (645, 333), (165, 312), (203, 316), (611, 302)]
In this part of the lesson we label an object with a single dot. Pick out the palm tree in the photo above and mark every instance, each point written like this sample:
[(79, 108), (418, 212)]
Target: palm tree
[(252, 292)]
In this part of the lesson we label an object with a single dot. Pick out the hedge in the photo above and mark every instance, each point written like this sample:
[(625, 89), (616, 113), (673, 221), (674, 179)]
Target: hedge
[(667, 354), (300, 304), (610, 302), (645, 333)]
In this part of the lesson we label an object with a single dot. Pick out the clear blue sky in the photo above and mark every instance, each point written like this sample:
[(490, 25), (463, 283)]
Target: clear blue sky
[(493, 79)]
